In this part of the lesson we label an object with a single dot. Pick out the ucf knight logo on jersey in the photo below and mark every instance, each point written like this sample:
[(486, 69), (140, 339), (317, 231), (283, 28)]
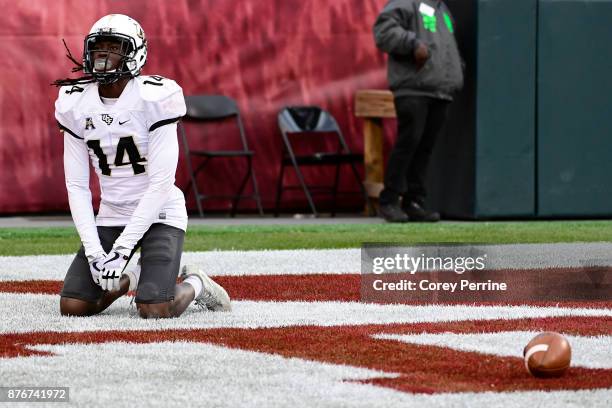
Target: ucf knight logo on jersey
[(106, 118)]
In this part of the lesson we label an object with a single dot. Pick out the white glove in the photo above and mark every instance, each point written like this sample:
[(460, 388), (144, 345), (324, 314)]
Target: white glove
[(112, 267), (95, 266)]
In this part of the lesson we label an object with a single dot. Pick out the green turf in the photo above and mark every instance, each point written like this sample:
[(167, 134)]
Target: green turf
[(34, 241)]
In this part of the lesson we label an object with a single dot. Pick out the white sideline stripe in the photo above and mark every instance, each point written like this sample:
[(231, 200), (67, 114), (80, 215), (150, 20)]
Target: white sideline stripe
[(215, 263), (535, 349), (329, 261), (238, 378), (587, 351), (41, 313)]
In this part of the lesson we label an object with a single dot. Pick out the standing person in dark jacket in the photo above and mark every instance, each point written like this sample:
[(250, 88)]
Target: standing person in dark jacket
[(424, 70)]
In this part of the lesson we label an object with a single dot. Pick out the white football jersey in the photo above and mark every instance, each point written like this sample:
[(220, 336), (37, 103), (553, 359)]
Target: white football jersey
[(117, 138)]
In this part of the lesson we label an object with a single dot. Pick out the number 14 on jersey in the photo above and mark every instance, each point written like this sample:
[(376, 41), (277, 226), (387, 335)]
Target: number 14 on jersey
[(126, 145)]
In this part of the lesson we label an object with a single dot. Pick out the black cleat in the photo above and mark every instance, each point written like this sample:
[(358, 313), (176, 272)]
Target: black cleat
[(392, 213), (416, 212)]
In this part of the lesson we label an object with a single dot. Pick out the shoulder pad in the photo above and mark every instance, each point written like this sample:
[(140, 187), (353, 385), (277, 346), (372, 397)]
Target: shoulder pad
[(69, 96), (155, 88), (163, 98)]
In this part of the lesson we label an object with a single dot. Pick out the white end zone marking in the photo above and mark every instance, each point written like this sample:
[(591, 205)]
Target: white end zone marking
[(329, 261)]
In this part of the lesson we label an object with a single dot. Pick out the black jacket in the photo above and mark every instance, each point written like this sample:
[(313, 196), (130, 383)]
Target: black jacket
[(399, 27)]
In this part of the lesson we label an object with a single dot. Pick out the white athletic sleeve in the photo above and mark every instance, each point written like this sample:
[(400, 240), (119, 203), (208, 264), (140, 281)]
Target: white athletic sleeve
[(76, 171), (162, 162)]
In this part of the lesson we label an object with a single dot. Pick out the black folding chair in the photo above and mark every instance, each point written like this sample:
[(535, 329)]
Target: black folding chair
[(310, 120), (217, 108)]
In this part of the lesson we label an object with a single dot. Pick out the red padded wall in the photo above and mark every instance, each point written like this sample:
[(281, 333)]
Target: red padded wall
[(264, 53)]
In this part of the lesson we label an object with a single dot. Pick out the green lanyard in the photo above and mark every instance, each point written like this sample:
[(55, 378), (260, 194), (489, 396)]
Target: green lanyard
[(449, 23)]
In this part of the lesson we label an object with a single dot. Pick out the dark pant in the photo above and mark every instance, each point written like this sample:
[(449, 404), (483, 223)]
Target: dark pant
[(419, 123), (161, 249)]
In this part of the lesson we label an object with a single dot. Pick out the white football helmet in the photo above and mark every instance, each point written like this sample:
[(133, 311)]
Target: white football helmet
[(133, 48)]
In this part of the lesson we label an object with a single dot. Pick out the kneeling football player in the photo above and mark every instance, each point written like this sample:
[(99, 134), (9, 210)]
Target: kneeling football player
[(126, 124)]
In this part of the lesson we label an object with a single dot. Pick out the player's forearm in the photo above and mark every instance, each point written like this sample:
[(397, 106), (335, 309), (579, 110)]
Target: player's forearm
[(145, 214), (81, 209)]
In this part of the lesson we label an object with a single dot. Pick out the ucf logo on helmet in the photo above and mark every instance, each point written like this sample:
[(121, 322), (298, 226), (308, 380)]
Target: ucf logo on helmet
[(139, 32)]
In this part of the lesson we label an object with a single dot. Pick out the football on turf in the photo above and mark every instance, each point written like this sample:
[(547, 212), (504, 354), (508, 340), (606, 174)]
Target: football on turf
[(547, 355)]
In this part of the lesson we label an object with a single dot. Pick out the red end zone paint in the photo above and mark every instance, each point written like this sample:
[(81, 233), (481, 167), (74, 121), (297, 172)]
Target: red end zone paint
[(322, 287), (422, 369), (284, 288), (43, 287)]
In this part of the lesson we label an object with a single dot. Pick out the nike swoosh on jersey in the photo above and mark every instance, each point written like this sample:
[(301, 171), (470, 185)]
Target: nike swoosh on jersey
[(125, 121)]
